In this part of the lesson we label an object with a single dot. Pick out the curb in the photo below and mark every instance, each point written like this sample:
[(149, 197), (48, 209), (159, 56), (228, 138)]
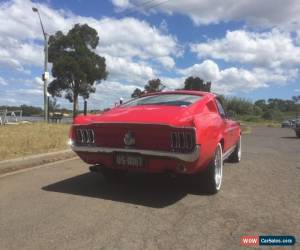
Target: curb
[(35, 160)]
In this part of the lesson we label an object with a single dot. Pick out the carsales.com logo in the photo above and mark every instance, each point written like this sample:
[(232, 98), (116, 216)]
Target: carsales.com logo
[(249, 241), (254, 241)]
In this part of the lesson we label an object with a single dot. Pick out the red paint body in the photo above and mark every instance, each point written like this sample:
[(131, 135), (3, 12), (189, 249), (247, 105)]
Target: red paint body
[(152, 125)]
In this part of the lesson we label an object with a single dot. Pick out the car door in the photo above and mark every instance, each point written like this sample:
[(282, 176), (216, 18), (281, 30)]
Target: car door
[(228, 126)]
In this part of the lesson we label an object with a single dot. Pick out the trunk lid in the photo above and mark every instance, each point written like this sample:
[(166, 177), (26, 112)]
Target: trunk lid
[(152, 114)]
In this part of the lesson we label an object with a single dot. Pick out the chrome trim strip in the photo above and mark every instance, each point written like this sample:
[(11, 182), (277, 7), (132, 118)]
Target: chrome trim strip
[(187, 157), (228, 152), (230, 129), (133, 123)]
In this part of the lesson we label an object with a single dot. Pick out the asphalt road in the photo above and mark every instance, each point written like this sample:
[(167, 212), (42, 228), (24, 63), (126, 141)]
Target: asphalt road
[(63, 206)]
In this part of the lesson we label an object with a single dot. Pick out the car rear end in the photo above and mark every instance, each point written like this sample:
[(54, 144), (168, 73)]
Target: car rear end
[(137, 146)]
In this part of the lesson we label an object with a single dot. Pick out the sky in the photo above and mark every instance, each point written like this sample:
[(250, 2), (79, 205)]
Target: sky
[(246, 48)]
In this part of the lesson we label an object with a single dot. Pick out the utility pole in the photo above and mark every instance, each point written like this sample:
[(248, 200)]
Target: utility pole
[(46, 73)]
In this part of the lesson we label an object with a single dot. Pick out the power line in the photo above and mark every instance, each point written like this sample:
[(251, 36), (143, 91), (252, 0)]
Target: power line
[(158, 4), (135, 7), (148, 5), (144, 3)]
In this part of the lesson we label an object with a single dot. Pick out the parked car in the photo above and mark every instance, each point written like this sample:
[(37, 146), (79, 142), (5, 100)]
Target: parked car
[(293, 122), (297, 127), (286, 124), (185, 132)]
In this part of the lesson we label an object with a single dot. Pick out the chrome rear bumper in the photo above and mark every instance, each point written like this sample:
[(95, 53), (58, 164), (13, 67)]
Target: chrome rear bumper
[(187, 157)]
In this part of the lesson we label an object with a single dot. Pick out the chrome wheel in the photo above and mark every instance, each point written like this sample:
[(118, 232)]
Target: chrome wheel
[(236, 155), (218, 164), (240, 149)]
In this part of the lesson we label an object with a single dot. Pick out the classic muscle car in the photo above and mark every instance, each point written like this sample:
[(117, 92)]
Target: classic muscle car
[(185, 132)]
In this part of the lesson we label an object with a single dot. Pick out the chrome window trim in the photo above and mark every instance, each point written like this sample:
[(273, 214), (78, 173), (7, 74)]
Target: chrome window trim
[(187, 157), (131, 123)]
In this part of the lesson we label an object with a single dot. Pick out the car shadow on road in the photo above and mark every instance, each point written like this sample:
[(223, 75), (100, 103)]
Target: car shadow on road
[(151, 190)]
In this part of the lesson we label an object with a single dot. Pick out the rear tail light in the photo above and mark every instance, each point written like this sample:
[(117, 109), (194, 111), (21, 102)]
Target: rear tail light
[(85, 136), (182, 141)]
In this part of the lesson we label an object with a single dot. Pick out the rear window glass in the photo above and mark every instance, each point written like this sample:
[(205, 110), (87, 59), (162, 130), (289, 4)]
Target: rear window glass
[(164, 99)]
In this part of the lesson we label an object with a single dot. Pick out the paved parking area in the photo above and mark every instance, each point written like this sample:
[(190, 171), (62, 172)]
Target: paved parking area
[(63, 206)]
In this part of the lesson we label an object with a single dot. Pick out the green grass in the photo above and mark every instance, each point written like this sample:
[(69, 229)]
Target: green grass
[(34, 138)]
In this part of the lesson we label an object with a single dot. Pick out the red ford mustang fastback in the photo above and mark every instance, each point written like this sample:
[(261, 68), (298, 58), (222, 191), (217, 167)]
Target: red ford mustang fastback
[(184, 132)]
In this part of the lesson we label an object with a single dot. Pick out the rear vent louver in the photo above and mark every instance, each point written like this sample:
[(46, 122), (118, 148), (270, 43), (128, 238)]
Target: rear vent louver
[(85, 136), (182, 141)]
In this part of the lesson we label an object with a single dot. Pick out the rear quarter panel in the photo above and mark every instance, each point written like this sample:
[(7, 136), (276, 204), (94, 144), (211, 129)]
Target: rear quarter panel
[(236, 131), (208, 134)]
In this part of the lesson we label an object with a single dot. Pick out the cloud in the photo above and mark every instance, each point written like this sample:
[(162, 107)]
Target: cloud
[(208, 70), (172, 83), (267, 13), (163, 26), (15, 54), (12, 101), (129, 37), (22, 95), (167, 61), (112, 89), (38, 81), (21, 36), (131, 48), (125, 69), (267, 49), (122, 4), (3, 81), (137, 51), (234, 80), (37, 92)]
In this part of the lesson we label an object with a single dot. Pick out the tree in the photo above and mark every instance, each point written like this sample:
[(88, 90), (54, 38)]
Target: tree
[(257, 110), (296, 98), (154, 85), (29, 110), (261, 104), (53, 105), (76, 67), (137, 93), (196, 83), (239, 106)]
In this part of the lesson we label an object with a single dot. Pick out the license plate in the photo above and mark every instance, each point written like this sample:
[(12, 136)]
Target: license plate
[(129, 160)]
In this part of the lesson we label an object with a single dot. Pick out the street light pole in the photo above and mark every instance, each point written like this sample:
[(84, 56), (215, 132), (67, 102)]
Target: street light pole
[(46, 73)]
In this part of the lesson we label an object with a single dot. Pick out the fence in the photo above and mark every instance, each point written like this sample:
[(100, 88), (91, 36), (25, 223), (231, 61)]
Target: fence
[(10, 116)]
